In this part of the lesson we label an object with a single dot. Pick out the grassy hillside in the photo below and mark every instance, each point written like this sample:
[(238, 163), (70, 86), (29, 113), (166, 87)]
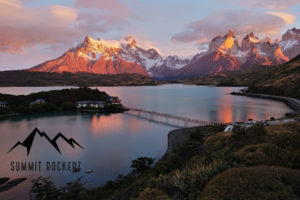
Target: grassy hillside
[(244, 77), (283, 80), (29, 78), (256, 163)]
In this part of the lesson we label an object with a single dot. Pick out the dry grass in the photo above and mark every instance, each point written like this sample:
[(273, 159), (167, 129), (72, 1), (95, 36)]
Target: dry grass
[(283, 128)]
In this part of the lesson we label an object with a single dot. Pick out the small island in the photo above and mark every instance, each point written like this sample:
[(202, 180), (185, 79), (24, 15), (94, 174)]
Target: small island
[(81, 99)]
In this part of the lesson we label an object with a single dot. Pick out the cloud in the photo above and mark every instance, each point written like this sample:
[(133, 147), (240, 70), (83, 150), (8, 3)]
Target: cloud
[(95, 22), (241, 21), (287, 17), (265, 4), (113, 6), (102, 15), (26, 27), (23, 26)]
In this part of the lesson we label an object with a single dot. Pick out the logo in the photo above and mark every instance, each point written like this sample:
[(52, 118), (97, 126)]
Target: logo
[(27, 143)]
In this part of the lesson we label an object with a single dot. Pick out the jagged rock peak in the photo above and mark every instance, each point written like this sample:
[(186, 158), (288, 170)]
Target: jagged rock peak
[(249, 41), (230, 33), (267, 40), (252, 37), (131, 40), (226, 44), (290, 42)]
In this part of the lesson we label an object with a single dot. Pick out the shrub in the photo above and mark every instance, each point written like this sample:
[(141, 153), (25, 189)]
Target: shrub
[(43, 188), (263, 154), (251, 183), (141, 164), (68, 106), (152, 194)]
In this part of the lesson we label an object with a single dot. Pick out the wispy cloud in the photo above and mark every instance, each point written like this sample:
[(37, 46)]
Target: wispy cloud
[(242, 21), (112, 6), (287, 17), (263, 4)]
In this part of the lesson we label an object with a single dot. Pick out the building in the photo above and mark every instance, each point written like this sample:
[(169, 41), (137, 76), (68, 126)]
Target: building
[(114, 100), (91, 104), (3, 104), (37, 102)]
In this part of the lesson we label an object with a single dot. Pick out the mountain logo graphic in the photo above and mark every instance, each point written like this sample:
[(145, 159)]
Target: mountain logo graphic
[(27, 143)]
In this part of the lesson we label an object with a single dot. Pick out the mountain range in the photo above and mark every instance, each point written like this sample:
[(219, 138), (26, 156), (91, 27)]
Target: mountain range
[(126, 56)]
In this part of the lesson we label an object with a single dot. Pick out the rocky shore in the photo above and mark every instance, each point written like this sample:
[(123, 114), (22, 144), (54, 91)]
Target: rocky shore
[(177, 137)]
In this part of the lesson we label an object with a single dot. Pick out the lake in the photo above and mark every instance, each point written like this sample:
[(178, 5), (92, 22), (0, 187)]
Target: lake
[(111, 141)]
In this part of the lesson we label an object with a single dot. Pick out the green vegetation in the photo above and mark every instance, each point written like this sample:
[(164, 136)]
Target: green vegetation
[(255, 163), (141, 164), (55, 100), (29, 78), (43, 188)]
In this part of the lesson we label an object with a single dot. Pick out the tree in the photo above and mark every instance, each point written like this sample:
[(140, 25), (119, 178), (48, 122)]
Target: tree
[(141, 164)]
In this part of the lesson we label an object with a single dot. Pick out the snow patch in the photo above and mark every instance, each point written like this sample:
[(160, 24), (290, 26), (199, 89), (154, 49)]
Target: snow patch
[(254, 40), (240, 54), (287, 44)]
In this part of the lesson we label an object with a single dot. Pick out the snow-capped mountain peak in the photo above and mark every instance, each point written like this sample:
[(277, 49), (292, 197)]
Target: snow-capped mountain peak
[(127, 56), (290, 43), (126, 49), (174, 62), (91, 52)]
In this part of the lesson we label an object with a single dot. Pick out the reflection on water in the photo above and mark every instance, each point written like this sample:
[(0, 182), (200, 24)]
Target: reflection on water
[(198, 102), (110, 142)]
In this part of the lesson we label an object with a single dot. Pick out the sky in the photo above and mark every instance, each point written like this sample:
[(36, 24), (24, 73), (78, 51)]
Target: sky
[(34, 31)]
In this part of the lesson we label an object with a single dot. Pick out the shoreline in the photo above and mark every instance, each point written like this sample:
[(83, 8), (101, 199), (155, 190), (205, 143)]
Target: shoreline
[(177, 137), (4, 117), (292, 103)]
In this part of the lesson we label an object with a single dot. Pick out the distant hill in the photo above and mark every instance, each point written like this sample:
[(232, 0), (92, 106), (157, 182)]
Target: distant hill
[(29, 78), (283, 80)]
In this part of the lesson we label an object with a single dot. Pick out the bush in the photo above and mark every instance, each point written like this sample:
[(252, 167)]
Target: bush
[(252, 183), (152, 194), (141, 164), (43, 188), (45, 107), (68, 106), (263, 154)]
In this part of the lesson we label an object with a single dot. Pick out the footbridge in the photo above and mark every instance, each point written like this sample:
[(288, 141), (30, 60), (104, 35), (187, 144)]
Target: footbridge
[(168, 119)]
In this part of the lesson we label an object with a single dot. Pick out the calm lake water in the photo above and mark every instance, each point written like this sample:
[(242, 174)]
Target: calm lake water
[(111, 141)]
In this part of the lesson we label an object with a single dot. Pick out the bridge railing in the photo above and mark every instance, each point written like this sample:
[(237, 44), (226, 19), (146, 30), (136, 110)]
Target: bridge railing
[(184, 119)]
